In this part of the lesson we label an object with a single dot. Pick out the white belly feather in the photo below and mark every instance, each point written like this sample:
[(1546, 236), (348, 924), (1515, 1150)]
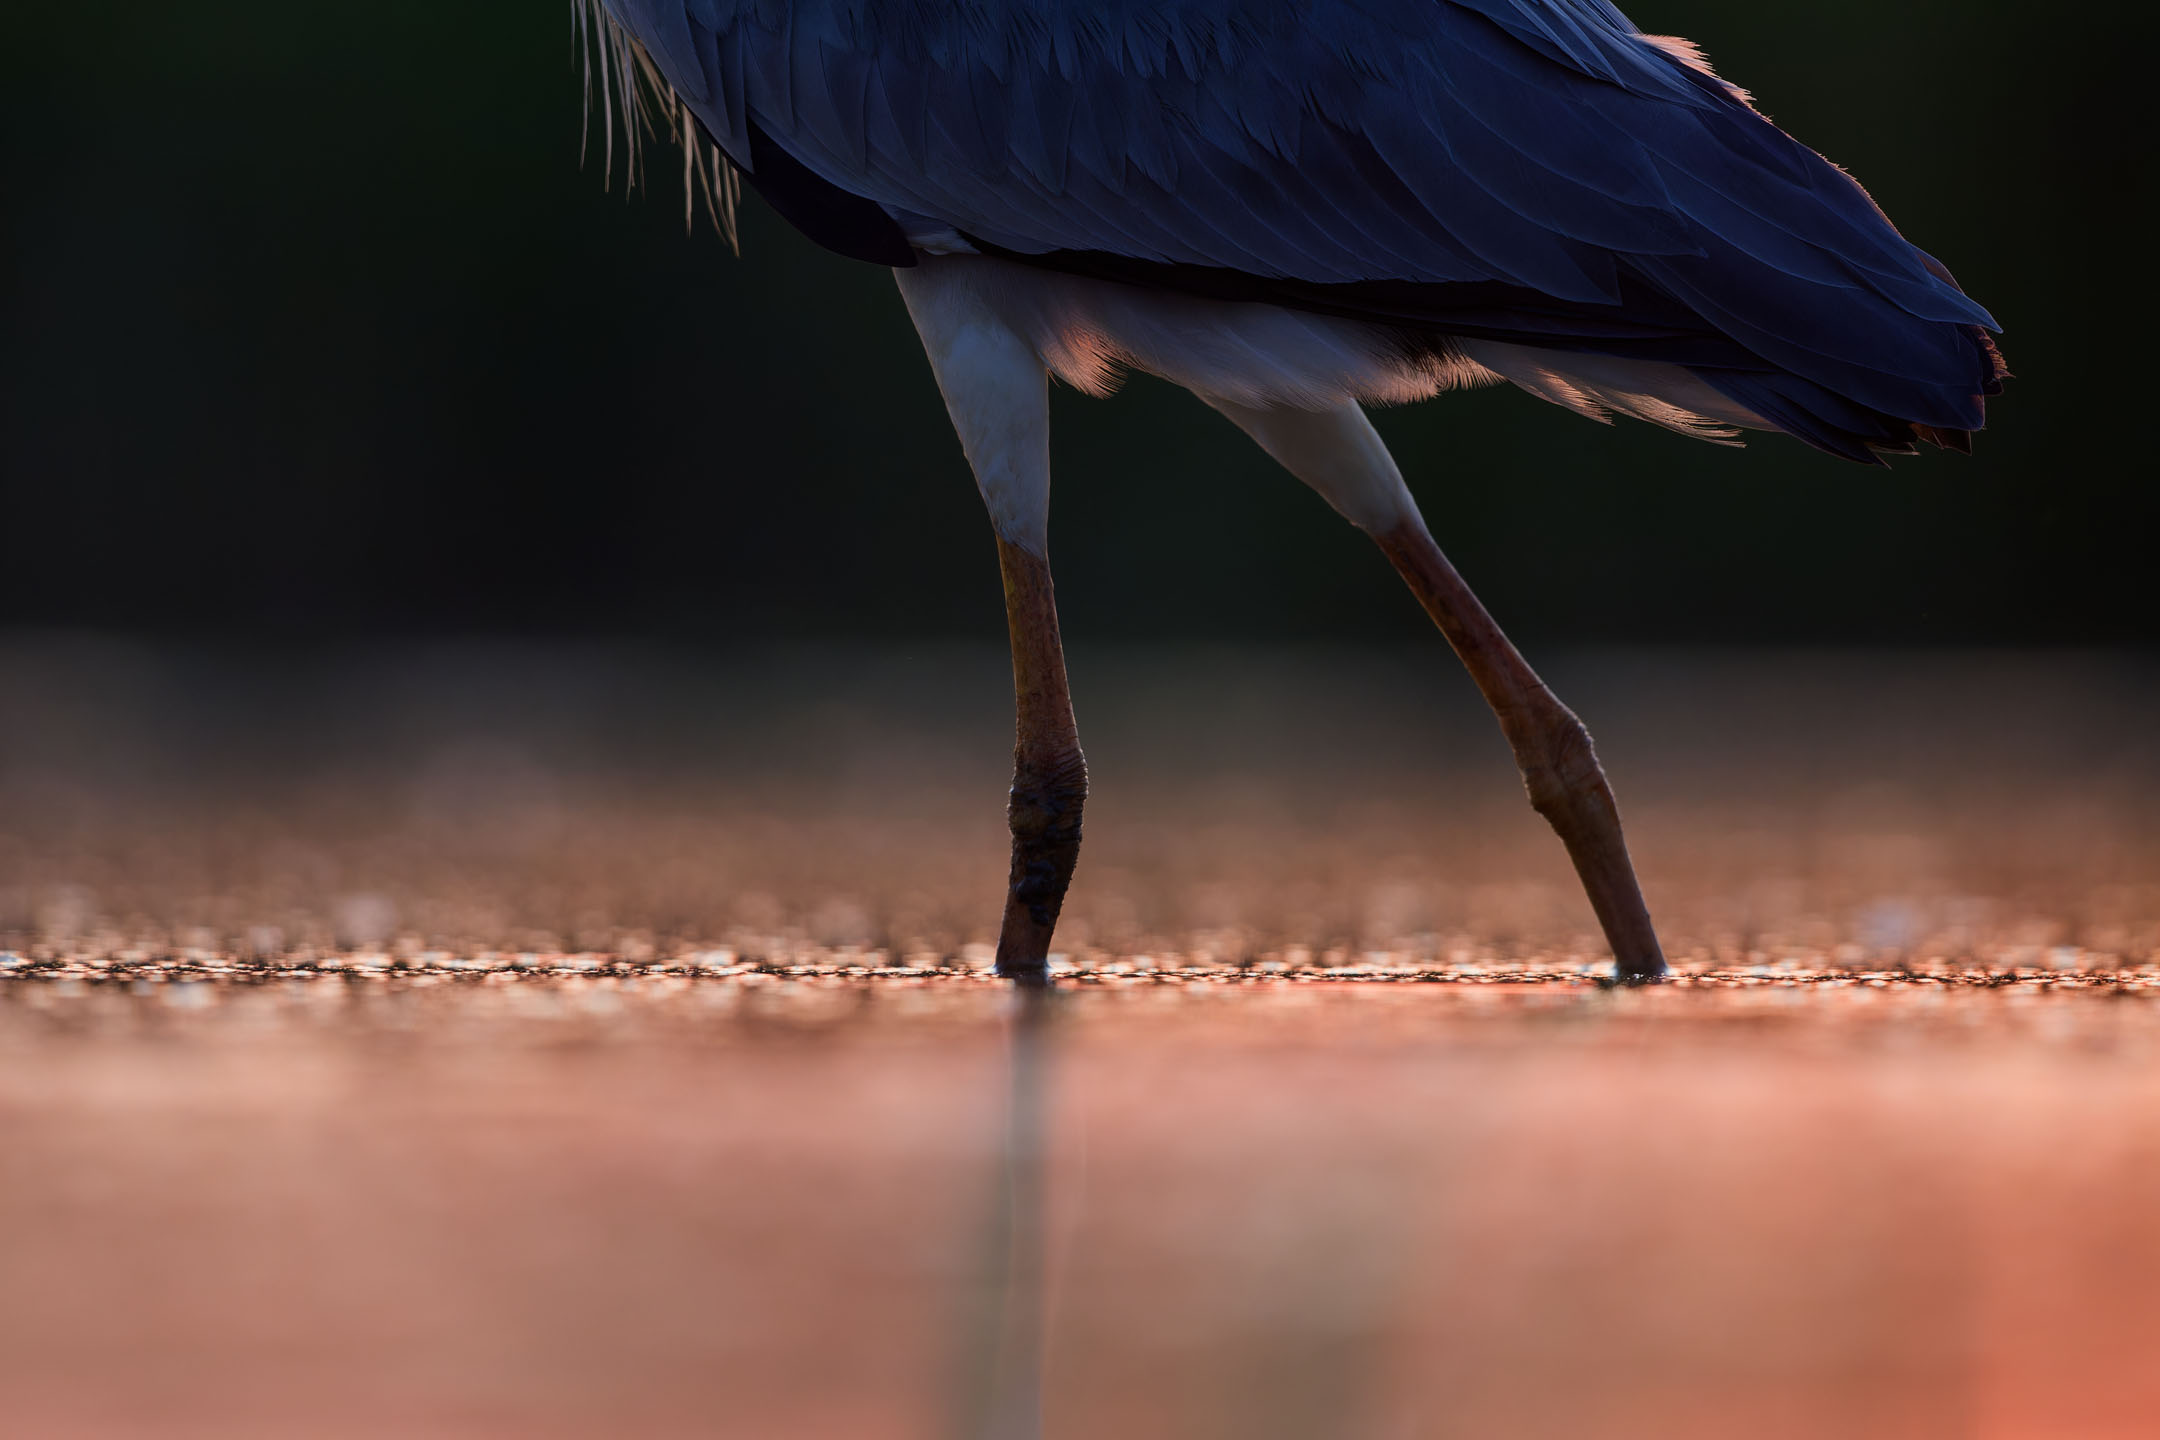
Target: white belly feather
[(1258, 356)]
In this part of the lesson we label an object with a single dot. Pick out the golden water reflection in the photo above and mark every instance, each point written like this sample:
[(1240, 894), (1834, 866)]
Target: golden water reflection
[(823, 1206)]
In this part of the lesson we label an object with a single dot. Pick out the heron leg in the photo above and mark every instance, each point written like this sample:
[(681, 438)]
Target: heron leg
[(1340, 455), (1049, 785), (1552, 747), (996, 391)]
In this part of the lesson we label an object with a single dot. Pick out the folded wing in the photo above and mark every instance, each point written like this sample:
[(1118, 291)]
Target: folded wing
[(1534, 166)]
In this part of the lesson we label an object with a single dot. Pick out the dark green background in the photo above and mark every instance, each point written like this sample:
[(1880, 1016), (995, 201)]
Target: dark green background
[(313, 325)]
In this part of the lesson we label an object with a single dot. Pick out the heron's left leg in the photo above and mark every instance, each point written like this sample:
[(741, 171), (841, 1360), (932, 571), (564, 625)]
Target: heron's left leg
[(997, 392), (1339, 454)]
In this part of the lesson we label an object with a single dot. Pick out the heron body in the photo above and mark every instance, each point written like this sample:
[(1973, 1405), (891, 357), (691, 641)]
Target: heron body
[(1297, 207)]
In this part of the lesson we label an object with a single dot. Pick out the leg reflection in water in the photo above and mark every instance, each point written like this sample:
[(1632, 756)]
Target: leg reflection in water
[(1006, 1402)]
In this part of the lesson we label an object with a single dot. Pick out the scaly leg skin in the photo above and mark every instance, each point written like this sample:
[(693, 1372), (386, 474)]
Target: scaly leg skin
[(1049, 773), (1559, 764)]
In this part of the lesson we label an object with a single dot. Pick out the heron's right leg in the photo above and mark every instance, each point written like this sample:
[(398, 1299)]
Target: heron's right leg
[(998, 395), (1339, 454)]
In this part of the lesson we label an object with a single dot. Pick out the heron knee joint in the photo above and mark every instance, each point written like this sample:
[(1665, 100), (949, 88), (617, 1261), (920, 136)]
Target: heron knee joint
[(1560, 765), (1048, 794)]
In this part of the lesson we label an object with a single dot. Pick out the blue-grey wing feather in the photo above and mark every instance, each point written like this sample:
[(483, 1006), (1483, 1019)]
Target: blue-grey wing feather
[(1539, 144)]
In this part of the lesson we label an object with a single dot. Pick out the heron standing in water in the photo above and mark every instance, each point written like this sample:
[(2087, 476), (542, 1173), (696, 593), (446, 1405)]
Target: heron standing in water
[(1295, 208)]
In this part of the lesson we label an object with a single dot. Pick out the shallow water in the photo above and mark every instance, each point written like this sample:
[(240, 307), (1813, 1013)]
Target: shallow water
[(762, 1205)]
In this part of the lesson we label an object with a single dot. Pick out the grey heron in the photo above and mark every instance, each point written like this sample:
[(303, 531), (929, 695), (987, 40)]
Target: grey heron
[(1295, 208)]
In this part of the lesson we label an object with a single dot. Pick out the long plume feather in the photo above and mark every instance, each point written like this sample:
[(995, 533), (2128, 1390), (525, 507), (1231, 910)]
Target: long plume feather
[(632, 91)]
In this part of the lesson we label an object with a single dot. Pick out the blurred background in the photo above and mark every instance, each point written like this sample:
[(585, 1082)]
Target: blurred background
[(313, 327)]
